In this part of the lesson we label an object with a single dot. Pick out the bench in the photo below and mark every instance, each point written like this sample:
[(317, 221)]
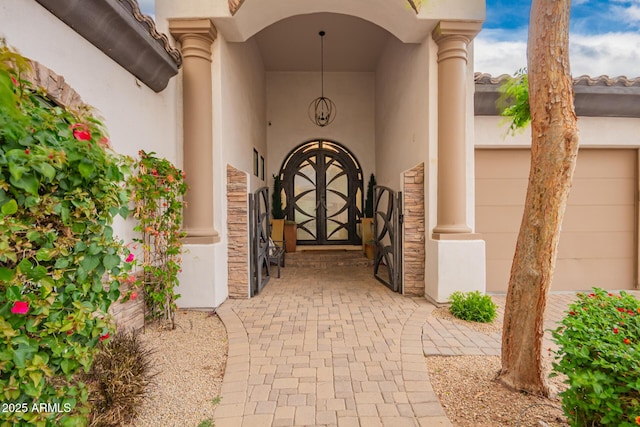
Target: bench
[(276, 253)]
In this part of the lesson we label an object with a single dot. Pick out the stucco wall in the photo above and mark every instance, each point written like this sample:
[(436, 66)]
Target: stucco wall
[(403, 100), (243, 122), (288, 97), (135, 116)]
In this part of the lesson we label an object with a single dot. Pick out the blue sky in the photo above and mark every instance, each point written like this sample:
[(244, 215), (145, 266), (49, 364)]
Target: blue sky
[(604, 37)]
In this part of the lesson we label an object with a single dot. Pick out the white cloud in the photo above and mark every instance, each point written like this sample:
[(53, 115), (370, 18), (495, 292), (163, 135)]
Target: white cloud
[(613, 54), (498, 57)]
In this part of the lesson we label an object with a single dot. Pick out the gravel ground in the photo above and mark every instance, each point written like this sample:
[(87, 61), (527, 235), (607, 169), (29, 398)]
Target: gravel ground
[(471, 397), (190, 362), (191, 359)]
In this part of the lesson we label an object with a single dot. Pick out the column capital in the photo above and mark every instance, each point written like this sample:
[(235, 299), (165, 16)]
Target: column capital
[(466, 30), (203, 27)]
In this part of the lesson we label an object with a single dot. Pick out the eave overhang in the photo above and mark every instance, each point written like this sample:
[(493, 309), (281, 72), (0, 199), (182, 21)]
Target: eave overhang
[(593, 96), (122, 32)]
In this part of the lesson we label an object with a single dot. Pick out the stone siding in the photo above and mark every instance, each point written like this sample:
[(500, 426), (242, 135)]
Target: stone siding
[(238, 232), (55, 86), (129, 315), (414, 231)]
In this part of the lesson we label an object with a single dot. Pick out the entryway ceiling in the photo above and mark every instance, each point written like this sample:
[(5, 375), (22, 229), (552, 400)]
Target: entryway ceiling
[(293, 44)]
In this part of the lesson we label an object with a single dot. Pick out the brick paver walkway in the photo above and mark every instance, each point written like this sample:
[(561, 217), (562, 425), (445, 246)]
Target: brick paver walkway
[(326, 347), (334, 347)]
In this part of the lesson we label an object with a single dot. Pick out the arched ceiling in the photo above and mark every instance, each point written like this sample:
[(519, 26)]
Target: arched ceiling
[(293, 44)]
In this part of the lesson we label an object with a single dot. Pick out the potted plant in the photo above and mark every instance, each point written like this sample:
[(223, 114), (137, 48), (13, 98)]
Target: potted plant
[(277, 213), (367, 221)]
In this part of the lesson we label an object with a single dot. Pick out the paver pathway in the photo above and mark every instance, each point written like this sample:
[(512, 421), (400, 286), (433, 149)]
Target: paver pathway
[(330, 347)]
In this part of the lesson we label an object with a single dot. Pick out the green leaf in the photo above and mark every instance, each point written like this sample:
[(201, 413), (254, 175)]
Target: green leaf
[(46, 170), (90, 262), (6, 274), (25, 266), (110, 261), (86, 169), (21, 354), (43, 254), (13, 293), (10, 207), (33, 235), (37, 273), (67, 365), (28, 182), (61, 263)]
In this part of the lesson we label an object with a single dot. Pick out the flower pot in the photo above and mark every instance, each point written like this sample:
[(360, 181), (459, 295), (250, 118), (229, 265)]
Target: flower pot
[(290, 236), (367, 231), (369, 250)]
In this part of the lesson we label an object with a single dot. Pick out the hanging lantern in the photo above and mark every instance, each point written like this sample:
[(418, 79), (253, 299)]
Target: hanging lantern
[(322, 110)]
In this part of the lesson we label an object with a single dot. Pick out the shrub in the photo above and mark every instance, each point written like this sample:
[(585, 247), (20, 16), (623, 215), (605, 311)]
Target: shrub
[(119, 379), (472, 306), (599, 352), (60, 264)]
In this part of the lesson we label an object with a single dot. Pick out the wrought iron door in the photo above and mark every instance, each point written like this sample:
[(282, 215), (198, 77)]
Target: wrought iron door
[(387, 225), (323, 192), (259, 233)]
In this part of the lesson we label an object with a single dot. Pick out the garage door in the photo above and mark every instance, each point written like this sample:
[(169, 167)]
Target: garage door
[(597, 244)]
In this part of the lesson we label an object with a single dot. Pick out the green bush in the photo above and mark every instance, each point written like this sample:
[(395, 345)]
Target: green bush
[(60, 264), (472, 306), (119, 379), (599, 352)]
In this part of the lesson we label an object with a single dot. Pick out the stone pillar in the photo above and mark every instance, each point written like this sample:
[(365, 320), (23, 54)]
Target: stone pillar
[(196, 37), (452, 38)]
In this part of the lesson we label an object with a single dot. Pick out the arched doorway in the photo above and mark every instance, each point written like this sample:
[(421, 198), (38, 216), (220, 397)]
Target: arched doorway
[(322, 182)]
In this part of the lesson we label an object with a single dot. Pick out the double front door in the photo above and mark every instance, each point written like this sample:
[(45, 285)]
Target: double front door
[(322, 182)]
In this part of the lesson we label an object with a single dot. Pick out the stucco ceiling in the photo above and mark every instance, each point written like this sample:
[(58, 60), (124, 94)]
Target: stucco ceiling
[(293, 44)]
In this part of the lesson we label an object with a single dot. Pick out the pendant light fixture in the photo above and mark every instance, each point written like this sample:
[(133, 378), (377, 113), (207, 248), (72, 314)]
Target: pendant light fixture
[(322, 110)]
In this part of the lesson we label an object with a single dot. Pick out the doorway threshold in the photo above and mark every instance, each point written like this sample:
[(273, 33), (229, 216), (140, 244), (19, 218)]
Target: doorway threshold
[(313, 248)]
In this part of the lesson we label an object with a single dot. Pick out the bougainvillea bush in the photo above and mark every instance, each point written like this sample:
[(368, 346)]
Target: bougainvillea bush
[(599, 352), (158, 188), (60, 263)]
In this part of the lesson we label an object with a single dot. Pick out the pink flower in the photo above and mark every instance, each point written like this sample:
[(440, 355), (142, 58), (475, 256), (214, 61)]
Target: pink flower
[(20, 307), (104, 337), (133, 296), (131, 279), (81, 132), (130, 258), (14, 81)]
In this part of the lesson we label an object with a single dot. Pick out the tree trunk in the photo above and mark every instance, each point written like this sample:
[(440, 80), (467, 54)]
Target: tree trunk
[(554, 148)]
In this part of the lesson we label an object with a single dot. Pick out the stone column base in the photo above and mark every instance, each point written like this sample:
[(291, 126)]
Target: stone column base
[(203, 280), (454, 265)]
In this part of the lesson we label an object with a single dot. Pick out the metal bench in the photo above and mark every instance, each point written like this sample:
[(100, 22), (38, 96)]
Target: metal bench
[(277, 253)]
